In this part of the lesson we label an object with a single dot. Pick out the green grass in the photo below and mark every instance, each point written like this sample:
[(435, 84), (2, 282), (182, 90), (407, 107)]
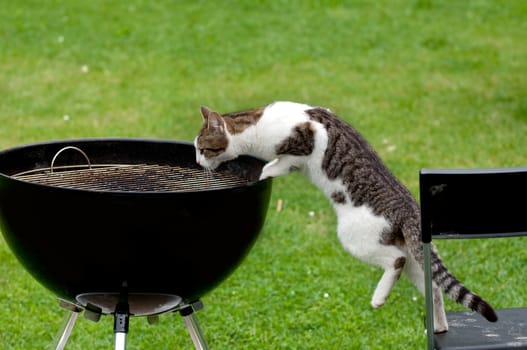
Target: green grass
[(429, 83)]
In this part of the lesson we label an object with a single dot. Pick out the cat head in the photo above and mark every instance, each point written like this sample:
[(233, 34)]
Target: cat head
[(213, 140)]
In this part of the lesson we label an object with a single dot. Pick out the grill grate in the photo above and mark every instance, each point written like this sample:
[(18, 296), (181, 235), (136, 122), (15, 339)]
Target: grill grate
[(132, 178)]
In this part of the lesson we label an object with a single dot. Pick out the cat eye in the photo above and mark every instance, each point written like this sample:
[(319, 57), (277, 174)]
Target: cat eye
[(210, 151)]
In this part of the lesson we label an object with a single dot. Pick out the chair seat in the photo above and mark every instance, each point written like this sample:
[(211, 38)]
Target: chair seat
[(468, 330)]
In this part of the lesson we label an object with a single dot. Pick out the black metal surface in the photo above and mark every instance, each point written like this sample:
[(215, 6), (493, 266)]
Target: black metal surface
[(470, 331), (473, 203), (76, 241)]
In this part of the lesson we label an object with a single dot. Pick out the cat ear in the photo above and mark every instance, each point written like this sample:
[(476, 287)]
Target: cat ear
[(214, 120), (205, 112)]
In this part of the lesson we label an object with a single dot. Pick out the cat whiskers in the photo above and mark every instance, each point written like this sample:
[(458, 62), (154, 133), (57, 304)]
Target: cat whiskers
[(209, 175)]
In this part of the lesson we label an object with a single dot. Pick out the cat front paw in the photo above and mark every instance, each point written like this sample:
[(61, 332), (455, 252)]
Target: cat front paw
[(279, 166), (269, 169)]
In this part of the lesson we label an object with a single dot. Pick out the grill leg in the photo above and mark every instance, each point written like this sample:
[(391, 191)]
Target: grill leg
[(191, 322), (120, 325), (120, 341), (67, 325)]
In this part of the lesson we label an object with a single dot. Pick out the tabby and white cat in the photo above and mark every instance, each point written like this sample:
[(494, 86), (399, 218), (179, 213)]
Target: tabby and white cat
[(378, 218)]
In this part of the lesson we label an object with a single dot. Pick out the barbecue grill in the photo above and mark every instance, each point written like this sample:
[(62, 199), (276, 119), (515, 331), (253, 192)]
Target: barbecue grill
[(128, 227)]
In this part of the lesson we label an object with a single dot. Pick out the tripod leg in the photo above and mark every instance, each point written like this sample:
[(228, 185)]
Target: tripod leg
[(65, 330), (193, 327), (120, 325), (120, 341)]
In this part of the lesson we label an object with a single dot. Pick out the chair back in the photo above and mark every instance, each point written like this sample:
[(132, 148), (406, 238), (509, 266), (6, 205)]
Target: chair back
[(473, 203)]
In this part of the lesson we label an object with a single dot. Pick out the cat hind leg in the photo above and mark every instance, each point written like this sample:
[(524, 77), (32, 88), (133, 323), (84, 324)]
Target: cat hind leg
[(389, 278), (359, 231), (416, 275)]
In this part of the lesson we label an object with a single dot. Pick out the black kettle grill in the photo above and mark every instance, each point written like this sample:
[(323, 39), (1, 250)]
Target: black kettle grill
[(128, 227)]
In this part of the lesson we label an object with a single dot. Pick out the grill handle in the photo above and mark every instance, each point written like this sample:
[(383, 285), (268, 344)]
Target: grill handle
[(67, 148)]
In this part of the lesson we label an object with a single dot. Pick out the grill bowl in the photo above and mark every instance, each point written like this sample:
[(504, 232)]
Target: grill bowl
[(169, 242)]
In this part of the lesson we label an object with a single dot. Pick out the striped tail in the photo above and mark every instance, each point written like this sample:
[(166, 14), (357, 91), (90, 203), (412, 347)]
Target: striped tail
[(457, 291)]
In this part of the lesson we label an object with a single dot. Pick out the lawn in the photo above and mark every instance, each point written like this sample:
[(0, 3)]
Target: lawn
[(429, 83)]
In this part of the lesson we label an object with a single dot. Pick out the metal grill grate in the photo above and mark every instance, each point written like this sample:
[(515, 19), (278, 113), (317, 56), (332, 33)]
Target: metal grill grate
[(132, 178)]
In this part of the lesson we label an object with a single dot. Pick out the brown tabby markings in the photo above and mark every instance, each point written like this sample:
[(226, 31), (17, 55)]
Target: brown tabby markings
[(338, 197), (215, 138), (349, 157), (300, 143), (388, 238), (399, 263), (237, 122), (215, 145)]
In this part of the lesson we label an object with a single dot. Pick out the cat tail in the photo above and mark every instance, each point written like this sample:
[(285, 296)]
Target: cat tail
[(449, 284), (452, 287)]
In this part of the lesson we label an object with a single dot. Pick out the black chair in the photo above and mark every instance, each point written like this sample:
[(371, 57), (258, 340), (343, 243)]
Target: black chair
[(475, 203)]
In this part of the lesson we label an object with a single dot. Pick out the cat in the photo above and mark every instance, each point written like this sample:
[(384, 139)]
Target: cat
[(378, 220)]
